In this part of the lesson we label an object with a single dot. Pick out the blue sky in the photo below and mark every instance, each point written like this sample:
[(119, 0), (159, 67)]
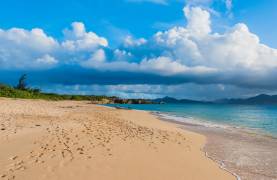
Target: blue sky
[(142, 19), (141, 48)]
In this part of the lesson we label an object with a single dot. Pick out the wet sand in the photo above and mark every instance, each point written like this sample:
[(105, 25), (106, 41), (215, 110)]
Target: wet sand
[(250, 155), (69, 140)]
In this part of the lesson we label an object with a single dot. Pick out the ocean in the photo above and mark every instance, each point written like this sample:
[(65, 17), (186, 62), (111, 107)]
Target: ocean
[(258, 118)]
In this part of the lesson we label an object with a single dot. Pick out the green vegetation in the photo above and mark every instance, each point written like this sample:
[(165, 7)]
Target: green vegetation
[(22, 85), (10, 92), (21, 90)]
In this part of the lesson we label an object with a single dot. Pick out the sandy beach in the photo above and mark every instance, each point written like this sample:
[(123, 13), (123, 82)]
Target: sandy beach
[(250, 155), (78, 140)]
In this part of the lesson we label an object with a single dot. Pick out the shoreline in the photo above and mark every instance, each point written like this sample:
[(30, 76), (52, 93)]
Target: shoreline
[(158, 115), (209, 124), (79, 140), (219, 162), (242, 138), (239, 129)]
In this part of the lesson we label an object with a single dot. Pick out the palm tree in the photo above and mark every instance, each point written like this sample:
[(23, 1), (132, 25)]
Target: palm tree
[(22, 85)]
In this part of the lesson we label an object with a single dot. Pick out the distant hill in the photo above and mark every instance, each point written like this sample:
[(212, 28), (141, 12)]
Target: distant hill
[(170, 100), (260, 99), (11, 92)]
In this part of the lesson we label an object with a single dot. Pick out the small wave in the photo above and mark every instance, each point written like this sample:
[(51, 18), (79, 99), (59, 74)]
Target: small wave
[(190, 120), (204, 123)]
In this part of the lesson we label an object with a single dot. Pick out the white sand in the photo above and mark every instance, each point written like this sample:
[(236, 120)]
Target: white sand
[(76, 140)]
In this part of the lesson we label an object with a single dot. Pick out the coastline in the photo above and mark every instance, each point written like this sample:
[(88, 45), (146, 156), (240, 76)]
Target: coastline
[(247, 154), (209, 124), (184, 127), (70, 139)]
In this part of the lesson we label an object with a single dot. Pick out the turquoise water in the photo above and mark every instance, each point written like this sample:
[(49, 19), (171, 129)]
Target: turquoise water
[(261, 118)]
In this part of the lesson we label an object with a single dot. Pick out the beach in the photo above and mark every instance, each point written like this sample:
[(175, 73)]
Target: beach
[(79, 140), (247, 154), (250, 155)]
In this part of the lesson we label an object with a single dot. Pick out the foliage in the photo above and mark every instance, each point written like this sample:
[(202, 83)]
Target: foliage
[(10, 92), (22, 91), (22, 85)]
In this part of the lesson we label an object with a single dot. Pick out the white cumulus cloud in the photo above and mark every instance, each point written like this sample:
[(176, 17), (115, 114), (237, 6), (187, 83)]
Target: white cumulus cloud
[(77, 39), (199, 22), (130, 41), (193, 52), (23, 49), (234, 57), (20, 48), (237, 51), (46, 59), (97, 57)]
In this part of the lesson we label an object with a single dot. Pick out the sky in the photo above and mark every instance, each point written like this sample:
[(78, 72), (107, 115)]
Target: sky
[(196, 49)]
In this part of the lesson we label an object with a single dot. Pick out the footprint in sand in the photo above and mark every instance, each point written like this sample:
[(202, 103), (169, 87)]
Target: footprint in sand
[(13, 157)]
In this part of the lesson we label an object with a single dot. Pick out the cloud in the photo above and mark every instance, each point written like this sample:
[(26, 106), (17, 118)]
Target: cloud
[(122, 55), (182, 54), (235, 57), (188, 91), (46, 59), (21, 48), (98, 56), (166, 66), (214, 6), (229, 5), (236, 53), (130, 41), (25, 49), (77, 39), (198, 21), (160, 66)]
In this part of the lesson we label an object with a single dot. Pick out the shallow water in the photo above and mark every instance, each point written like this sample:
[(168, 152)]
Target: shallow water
[(261, 118), (229, 131), (250, 156)]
